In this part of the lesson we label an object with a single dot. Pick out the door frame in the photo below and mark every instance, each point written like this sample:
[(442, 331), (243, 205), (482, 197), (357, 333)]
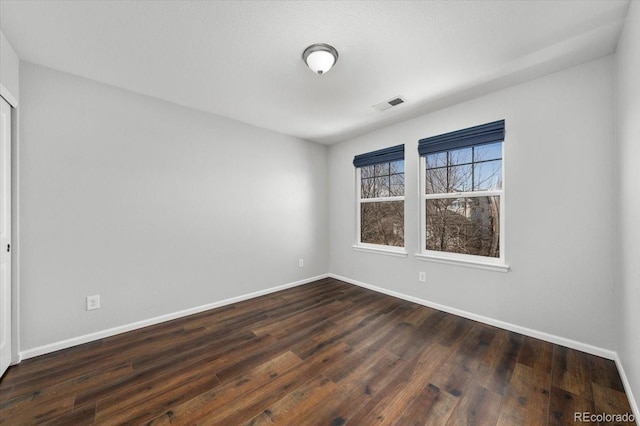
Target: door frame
[(15, 228)]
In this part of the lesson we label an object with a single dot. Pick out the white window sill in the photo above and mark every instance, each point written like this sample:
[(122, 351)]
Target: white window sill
[(388, 251), (478, 264)]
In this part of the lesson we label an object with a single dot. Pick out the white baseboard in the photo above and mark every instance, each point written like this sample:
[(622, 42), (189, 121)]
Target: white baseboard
[(627, 388), (604, 353), (64, 344)]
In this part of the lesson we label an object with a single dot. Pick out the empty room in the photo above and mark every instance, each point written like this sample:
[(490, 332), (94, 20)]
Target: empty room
[(319, 212)]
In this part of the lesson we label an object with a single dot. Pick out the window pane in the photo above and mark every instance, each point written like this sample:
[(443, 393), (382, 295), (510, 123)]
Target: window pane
[(382, 223), (487, 175), (449, 179), (438, 159), (367, 189), (460, 156), (464, 225), (396, 166), (366, 172), (381, 169), (491, 151), (397, 185), (460, 178), (436, 180), (381, 186)]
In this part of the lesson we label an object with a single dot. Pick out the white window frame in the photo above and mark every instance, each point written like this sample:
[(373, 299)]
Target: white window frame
[(481, 262), (376, 248)]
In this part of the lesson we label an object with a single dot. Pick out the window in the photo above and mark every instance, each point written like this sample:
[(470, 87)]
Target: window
[(380, 197), (462, 194)]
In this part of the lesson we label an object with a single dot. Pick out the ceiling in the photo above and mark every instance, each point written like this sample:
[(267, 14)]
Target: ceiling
[(242, 59)]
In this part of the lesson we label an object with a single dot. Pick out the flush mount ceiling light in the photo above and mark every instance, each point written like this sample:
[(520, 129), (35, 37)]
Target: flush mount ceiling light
[(320, 57)]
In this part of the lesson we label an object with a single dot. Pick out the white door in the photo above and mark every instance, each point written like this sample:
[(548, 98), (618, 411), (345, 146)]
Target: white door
[(5, 235)]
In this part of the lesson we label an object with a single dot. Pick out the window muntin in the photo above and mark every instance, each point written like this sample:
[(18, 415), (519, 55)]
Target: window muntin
[(462, 190), (382, 180), (477, 168), (381, 204)]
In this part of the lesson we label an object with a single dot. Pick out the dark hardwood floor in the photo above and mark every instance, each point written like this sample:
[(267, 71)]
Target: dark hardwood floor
[(326, 353)]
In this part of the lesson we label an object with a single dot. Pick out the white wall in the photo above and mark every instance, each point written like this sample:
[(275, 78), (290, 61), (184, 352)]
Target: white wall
[(560, 186), (156, 207), (9, 70), (628, 134)]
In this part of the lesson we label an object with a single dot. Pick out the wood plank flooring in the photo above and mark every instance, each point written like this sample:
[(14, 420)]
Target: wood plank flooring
[(326, 353)]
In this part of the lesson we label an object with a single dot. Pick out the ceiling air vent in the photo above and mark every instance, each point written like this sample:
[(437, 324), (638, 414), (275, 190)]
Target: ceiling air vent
[(395, 101)]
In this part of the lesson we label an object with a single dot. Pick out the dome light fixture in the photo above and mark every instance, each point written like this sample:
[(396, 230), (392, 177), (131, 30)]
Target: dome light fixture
[(320, 57)]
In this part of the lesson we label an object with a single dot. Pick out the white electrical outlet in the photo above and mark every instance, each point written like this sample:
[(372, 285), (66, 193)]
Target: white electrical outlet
[(422, 277), (300, 263), (93, 302)]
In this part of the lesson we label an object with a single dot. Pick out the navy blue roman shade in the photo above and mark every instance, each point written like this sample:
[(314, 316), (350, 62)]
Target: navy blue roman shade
[(478, 135), (385, 155)]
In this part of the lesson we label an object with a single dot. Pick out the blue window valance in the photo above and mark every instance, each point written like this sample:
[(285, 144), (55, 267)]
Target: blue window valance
[(385, 155), (478, 135)]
